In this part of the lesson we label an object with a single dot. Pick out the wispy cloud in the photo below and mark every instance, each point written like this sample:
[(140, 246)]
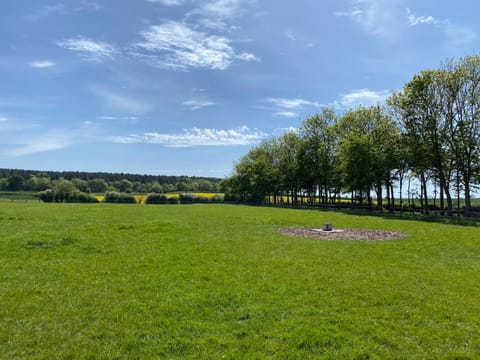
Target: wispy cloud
[(196, 104), (167, 2), (456, 35), (46, 11), (120, 102), (195, 137), (290, 35), (377, 17), (88, 5), (459, 35), (42, 64), (248, 57), (62, 9), (219, 15), (89, 49), (221, 10), (363, 97), (176, 46), (292, 103), (37, 146), (419, 20), (285, 114), (25, 139), (288, 108), (49, 141)]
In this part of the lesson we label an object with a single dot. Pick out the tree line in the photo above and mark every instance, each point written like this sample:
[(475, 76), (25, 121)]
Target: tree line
[(427, 134), (99, 182)]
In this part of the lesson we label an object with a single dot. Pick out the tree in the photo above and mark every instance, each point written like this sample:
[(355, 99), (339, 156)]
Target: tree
[(156, 188), (15, 183), (464, 125), (97, 185), (317, 154), (81, 184), (37, 183), (420, 107), (288, 152), (124, 186), (368, 142), (64, 190)]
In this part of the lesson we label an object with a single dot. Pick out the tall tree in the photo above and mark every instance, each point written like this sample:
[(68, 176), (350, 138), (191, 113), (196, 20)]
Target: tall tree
[(426, 127), (464, 81), (317, 155), (368, 141)]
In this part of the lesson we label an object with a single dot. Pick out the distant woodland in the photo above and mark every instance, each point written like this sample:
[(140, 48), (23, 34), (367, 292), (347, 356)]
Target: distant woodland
[(101, 182)]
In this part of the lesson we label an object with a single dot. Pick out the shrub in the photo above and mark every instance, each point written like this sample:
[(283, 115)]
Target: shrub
[(153, 198), (119, 198), (83, 197), (172, 201), (46, 195), (187, 198), (217, 199), (76, 197)]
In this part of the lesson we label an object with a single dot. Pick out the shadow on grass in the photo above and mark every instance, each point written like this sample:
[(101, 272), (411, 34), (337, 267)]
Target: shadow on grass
[(439, 219)]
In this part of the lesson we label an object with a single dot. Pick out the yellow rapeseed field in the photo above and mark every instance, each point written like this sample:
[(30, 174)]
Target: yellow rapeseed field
[(140, 198)]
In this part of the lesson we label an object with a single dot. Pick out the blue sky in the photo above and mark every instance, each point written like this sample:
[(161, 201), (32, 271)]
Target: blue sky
[(186, 87)]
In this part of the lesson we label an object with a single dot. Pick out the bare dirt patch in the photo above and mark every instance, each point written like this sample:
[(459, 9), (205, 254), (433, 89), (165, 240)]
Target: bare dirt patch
[(343, 234)]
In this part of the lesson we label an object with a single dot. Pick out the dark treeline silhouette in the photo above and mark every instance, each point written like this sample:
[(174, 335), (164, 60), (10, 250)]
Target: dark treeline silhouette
[(99, 182)]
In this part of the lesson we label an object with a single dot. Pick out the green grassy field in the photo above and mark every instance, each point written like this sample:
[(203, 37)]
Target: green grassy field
[(9, 196), (217, 282)]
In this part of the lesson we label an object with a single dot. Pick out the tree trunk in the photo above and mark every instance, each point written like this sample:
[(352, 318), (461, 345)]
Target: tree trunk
[(379, 196), (468, 203), (392, 203), (400, 178), (425, 194)]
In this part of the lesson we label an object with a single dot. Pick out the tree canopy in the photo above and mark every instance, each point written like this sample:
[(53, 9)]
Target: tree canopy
[(429, 131)]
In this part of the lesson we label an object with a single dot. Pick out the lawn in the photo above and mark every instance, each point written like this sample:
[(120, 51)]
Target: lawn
[(216, 281)]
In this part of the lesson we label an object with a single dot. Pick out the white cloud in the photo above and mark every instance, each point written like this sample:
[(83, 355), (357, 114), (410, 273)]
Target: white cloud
[(290, 129), (167, 2), (419, 20), (41, 64), (351, 13), (292, 103), (195, 137), (3, 119), (89, 49), (121, 102), (221, 9), (363, 97), (176, 46), (290, 35), (52, 140), (456, 35), (219, 14), (288, 108), (376, 17), (248, 57), (286, 114), (197, 104)]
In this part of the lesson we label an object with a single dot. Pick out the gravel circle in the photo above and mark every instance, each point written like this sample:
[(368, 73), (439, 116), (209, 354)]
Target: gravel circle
[(343, 234)]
